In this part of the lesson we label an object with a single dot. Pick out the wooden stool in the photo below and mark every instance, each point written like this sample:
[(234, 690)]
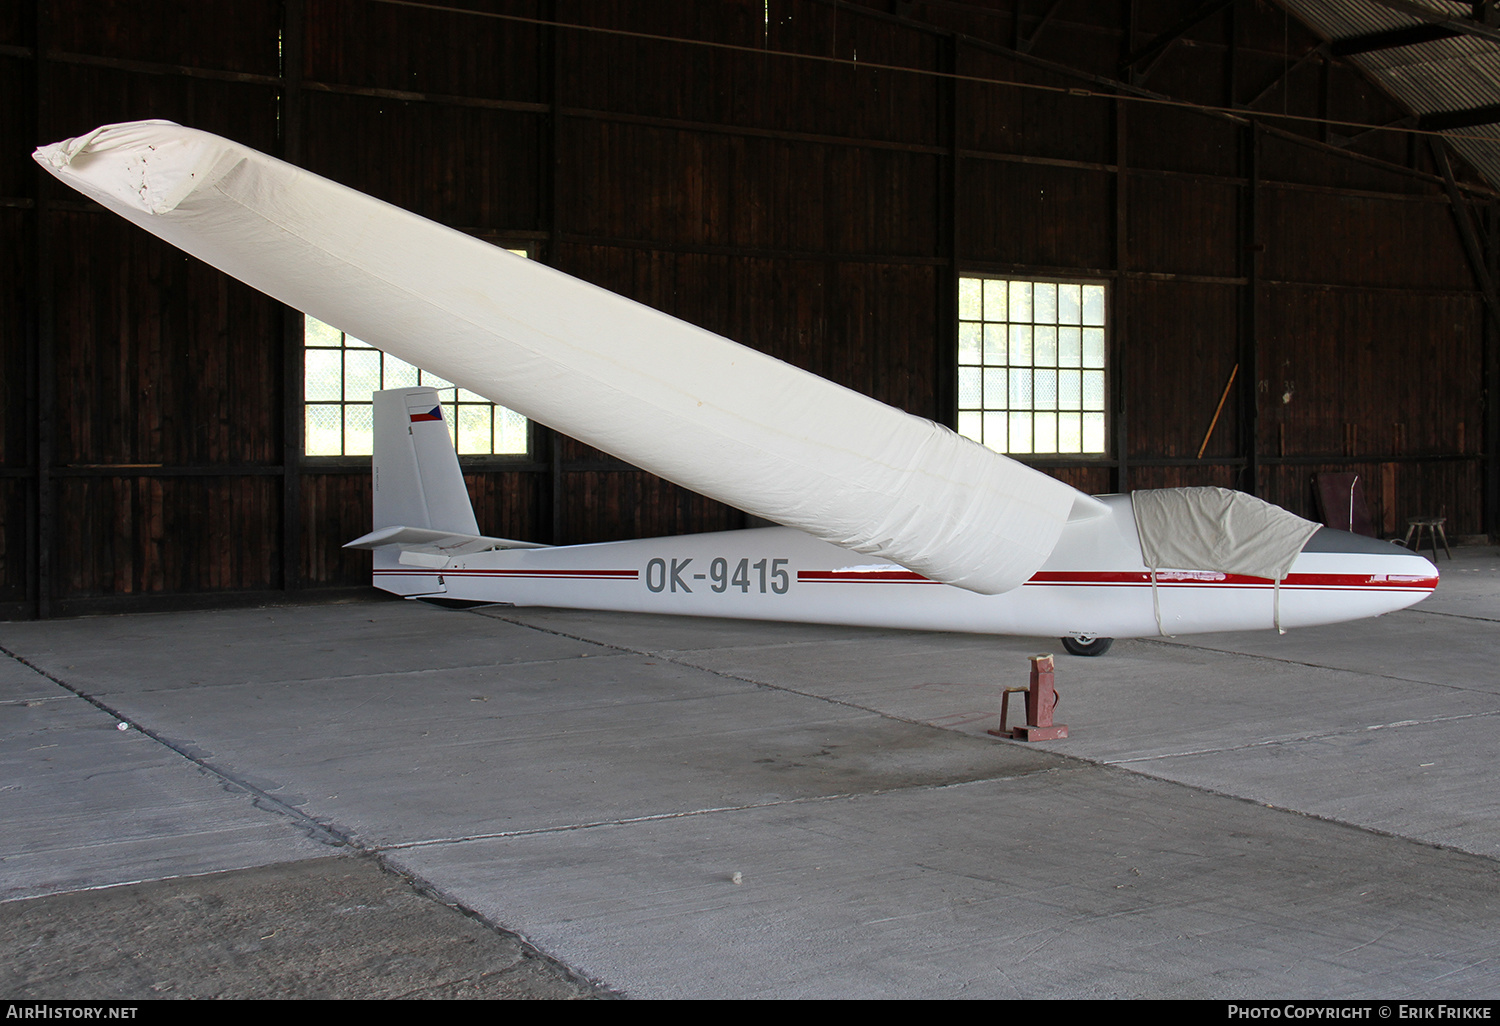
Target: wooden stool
[(1434, 528)]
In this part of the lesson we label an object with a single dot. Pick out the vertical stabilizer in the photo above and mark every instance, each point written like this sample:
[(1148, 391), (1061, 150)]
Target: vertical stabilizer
[(417, 479)]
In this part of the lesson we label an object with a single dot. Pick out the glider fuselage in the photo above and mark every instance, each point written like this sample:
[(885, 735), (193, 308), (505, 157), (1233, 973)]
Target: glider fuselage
[(1094, 584)]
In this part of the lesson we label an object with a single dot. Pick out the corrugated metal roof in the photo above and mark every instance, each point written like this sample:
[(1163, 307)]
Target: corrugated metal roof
[(1434, 77)]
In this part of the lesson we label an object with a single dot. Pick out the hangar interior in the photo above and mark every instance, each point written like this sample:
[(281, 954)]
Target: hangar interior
[(814, 179), (1136, 244)]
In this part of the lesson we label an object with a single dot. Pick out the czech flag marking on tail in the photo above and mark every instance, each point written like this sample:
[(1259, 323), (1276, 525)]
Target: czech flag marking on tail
[(436, 413)]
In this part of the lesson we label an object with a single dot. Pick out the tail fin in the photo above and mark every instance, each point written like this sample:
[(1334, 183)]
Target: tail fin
[(417, 480), (423, 516)]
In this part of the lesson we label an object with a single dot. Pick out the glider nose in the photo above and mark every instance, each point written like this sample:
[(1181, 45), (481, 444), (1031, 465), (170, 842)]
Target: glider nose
[(1388, 576)]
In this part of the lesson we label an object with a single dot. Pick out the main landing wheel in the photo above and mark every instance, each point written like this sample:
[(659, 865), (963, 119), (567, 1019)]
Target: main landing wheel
[(1087, 646)]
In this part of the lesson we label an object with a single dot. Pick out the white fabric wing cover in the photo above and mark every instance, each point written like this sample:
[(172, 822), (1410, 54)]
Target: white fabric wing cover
[(681, 402), (1218, 529)]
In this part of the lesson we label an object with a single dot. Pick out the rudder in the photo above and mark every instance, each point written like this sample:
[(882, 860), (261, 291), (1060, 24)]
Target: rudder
[(417, 480)]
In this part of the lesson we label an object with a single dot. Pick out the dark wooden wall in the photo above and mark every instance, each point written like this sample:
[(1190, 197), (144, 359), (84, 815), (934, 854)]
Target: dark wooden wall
[(820, 210)]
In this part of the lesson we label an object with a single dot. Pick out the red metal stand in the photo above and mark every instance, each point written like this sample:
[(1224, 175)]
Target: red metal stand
[(1041, 697)]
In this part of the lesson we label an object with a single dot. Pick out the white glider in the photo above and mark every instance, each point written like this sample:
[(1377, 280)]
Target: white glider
[(845, 474)]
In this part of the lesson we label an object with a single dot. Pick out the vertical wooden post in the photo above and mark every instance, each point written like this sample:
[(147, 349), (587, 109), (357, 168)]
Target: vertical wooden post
[(44, 391), (1249, 357), (292, 326)]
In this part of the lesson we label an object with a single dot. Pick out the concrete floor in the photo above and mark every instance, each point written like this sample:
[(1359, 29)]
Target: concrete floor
[(1312, 815)]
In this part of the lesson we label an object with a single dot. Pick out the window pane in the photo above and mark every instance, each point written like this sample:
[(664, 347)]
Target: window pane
[(1093, 390), (361, 375), (474, 429), (1069, 347), (1069, 390), (970, 425), (1093, 347), (994, 300), (1044, 433), (1069, 304), (1020, 345), (994, 430), (358, 437), (324, 430), (399, 373), (1070, 432), (1020, 392), (1093, 304), (1020, 301), (1044, 346), (969, 395), (1044, 390), (1093, 432), (1044, 303), (969, 302), (1020, 433), (323, 373), (994, 388), (316, 333), (968, 343), (511, 436), (994, 343)]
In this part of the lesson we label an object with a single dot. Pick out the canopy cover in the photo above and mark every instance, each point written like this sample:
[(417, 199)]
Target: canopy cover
[(673, 399), (1218, 529)]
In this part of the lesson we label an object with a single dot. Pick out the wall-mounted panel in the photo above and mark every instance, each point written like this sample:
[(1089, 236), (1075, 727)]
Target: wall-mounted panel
[(629, 181), (1174, 139), (82, 97), (159, 359), (830, 94), (335, 508), (1184, 344), (1020, 119), (166, 535), (600, 506), (17, 333), (15, 27), (509, 503), (466, 167), (1038, 215), (229, 35), (17, 170), (1350, 373), (436, 50), (1360, 240), (1184, 226), (13, 550)]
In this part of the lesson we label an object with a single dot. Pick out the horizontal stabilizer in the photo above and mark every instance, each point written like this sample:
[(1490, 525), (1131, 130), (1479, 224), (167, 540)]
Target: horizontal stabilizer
[(436, 543)]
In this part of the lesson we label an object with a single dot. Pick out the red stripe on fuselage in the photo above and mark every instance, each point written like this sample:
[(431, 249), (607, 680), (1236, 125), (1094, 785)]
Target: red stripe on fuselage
[(1141, 579), (587, 575)]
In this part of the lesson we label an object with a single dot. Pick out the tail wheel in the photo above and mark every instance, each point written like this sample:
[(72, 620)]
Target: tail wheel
[(1087, 645)]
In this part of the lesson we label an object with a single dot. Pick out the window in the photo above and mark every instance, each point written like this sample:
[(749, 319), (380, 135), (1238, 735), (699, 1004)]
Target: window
[(340, 373), (1031, 366)]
